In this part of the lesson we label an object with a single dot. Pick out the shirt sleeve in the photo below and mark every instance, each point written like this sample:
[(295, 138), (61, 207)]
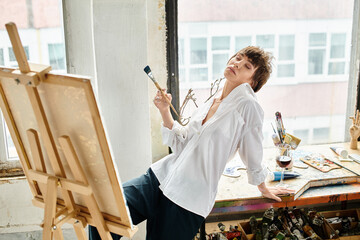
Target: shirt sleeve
[(251, 153), (175, 138)]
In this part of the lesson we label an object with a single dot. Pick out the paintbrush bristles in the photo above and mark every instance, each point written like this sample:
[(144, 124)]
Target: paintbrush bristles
[(147, 70)]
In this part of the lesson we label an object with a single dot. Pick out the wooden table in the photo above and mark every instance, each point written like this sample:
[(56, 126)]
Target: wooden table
[(236, 196)]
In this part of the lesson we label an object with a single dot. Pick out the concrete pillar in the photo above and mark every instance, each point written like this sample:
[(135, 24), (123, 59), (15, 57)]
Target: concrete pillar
[(120, 41), (78, 31)]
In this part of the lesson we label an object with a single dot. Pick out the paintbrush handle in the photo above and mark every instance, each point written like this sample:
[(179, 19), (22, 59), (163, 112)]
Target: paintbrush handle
[(166, 98)]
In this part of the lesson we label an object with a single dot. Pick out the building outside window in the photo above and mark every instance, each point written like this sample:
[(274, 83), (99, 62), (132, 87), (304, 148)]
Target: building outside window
[(57, 56), (311, 47)]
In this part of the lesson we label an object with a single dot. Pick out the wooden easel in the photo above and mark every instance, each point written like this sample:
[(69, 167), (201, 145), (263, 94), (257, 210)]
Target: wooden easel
[(51, 186)]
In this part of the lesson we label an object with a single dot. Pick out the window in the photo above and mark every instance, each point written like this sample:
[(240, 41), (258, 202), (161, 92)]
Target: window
[(286, 64), (198, 60), (318, 52), (182, 60), (41, 34), (265, 41), (320, 134), (198, 48), (57, 56), (219, 63), (337, 54), (303, 134), (317, 49), (241, 42), (11, 150), (311, 51), (12, 58), (220, 47)]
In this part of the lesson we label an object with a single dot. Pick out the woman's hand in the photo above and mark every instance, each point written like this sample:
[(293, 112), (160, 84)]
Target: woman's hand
[(272, 192), (160, 102), (164, 108)]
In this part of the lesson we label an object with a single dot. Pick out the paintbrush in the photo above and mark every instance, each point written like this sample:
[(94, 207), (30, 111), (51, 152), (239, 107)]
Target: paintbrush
[(340, 165), (148, 72)]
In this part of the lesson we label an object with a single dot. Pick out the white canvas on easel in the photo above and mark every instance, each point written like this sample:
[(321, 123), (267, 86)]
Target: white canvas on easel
[(57, 130)]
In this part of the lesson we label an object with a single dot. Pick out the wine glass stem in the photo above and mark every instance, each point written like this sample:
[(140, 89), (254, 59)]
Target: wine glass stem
[(282, 176)]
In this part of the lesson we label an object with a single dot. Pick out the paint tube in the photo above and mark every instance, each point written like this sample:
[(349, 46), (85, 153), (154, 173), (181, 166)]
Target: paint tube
[(276, 176), (340, 151)]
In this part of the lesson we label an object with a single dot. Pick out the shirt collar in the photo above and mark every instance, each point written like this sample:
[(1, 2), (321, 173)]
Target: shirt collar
[(242, 90)]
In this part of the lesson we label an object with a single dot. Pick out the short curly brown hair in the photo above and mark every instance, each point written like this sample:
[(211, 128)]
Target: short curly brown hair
[(261, 61)]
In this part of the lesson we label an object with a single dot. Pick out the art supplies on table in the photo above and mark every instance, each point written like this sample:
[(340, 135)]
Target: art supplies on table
[(233, 166), (355, 157), (320, 162), (280, 126), (297, 154), (341, 152), (280, 137)]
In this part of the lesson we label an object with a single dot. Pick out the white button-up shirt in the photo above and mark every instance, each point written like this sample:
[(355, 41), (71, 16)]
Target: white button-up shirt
[(189, 176)]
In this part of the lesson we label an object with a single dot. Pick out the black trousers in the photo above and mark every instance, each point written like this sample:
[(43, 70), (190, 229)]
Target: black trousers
[(165, 219)]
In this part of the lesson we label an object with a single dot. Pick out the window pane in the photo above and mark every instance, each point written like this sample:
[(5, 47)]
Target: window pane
[(265, 41), (303, 134), (57, 55), (337, 45), (2, 57), (317, 39), (321, 134), (198, 74), (12, 55), (241, 42), (181, 52), (182, 75), (286, 47), (286, 70), (336, 68), (11, 150), (220, 43), (219, 64), (198, 48), (316, 61)]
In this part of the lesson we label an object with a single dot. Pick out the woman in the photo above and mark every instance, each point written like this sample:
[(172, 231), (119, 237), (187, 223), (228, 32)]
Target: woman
[(178, 191)]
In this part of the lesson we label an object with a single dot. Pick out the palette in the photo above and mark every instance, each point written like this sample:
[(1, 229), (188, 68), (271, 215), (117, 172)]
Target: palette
[(323, 165)]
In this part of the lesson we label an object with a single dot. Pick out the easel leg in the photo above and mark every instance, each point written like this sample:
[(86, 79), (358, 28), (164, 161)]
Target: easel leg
[(80, 231), (50, 208), (98, 218), (79, 175), (58, 235)]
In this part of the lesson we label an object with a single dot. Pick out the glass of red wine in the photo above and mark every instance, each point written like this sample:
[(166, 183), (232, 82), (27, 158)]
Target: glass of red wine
[(283, 159)]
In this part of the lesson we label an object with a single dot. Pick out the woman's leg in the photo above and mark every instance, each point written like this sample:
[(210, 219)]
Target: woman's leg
[(172, 222), (142, 196)]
